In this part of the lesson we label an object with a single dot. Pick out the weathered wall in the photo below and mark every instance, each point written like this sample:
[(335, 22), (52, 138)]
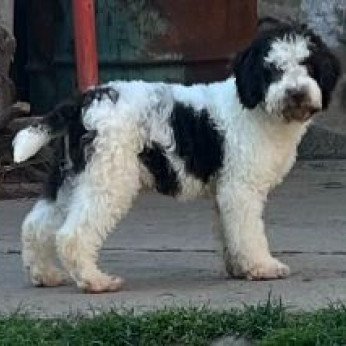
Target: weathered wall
[(327, 18), (6, 14), (7, 48)]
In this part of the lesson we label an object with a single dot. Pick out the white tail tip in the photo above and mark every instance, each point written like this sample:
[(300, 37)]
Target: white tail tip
[(28, 142)]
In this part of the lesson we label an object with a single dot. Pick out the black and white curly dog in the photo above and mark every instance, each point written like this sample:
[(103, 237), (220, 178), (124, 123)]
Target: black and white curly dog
[(234, 140)]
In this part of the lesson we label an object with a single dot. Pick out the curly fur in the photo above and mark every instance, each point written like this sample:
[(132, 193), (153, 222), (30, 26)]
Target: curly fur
[(234, 140)]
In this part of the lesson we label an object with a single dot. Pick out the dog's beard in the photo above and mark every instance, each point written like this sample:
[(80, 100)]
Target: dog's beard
[(289, 114), (289, 111), (300, 114)]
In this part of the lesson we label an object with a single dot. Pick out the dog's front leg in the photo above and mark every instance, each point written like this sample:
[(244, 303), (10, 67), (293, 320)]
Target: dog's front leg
[(245, 247)]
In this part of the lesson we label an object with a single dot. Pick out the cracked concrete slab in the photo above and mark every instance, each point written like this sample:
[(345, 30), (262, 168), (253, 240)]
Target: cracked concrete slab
[(167, 253)]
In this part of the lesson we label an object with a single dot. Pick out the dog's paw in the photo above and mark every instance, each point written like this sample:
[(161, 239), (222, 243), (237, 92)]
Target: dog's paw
[(101, 284), (268, 270), (49, 278), (265, 269)]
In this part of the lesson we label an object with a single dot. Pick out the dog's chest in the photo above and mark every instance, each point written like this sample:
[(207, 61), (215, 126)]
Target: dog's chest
[(262, 153), (278, 152)]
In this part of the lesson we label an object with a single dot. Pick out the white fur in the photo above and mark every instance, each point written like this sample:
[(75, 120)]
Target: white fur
[(28, 142), (289, 51), (38, 243), (259, 151)]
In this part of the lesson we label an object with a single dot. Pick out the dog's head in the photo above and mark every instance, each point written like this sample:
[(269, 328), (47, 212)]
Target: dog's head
[(289, 71)]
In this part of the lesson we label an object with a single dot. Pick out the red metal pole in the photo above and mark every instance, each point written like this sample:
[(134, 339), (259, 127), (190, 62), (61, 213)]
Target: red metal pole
[(85, 43)]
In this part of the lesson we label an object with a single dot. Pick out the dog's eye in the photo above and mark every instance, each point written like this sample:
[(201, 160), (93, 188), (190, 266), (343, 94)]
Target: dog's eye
[(309, 67), (273, 73)]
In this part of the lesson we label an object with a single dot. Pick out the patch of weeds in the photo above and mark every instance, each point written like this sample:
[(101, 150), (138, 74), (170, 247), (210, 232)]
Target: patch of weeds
[(264, 324)]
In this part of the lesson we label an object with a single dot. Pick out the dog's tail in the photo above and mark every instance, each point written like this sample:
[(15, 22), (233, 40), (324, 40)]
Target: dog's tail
[(30, 140), (56, 123)]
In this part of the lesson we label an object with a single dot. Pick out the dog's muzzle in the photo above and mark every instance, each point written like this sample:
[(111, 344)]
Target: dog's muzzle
[(298, 105)]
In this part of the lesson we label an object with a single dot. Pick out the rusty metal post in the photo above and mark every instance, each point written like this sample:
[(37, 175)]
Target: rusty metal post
[(85, 43)]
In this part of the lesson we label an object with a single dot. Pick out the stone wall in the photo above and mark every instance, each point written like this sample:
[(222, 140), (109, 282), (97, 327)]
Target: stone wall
[(328, 19)]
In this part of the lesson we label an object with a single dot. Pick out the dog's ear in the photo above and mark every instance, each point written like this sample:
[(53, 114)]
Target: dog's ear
[(327, 73), (325, 68), (249, 74)]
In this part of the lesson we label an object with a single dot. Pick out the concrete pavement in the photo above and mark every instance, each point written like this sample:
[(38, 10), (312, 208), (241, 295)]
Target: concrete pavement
[(167, 253)]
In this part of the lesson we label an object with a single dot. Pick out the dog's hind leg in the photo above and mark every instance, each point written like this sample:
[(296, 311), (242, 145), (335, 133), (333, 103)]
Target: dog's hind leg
[(104, 194), (38, 244), (246, 251)]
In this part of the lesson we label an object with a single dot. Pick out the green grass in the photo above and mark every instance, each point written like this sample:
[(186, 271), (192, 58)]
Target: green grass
[(266, 324)]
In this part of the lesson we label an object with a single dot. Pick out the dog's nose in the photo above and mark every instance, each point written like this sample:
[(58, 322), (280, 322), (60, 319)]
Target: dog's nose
[(295, 97)]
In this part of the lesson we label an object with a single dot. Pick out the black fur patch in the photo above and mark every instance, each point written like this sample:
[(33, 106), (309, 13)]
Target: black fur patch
[(97, 94), (166, 179), (198, 142), (66, 116), (250, 76), (56, 175), (66, 120), (324, 67), (70, 160)]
